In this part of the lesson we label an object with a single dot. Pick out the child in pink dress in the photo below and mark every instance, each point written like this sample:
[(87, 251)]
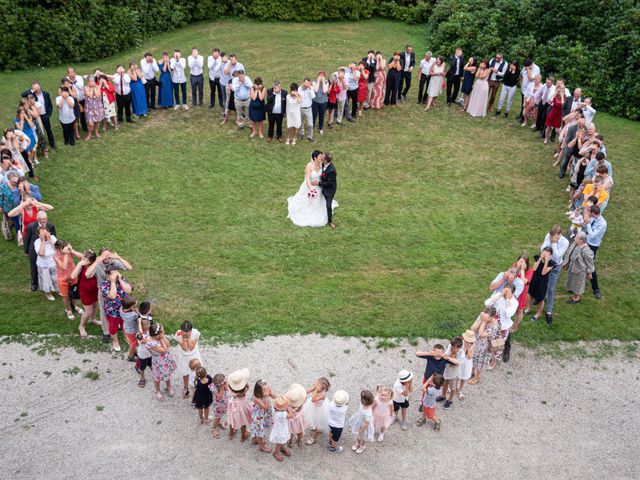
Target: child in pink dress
[(239, 410), (383, 410)]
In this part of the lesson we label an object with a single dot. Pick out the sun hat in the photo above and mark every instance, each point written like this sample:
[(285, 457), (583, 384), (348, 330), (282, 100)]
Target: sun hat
[(405, 375), (296, 395), (340, 398), (238, 379), (281, 403), (469, 336)]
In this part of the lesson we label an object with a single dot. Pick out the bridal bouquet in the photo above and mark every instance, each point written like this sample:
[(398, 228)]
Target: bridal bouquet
[(313, 193)]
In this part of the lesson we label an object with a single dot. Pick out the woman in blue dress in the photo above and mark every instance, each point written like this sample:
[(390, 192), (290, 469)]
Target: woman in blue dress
[(138, 94), (257, 107), (165, 95), (467, 82)]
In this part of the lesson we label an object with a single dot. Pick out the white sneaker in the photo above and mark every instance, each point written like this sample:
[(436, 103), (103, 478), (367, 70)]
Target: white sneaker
[(50, 297), (176, 107), (185, 106), (404, 426), (381, 437)]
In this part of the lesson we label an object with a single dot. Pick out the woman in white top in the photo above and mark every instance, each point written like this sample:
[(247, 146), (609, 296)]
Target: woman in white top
[(188, 339), (294, 114), (47, 272), (435, 82)]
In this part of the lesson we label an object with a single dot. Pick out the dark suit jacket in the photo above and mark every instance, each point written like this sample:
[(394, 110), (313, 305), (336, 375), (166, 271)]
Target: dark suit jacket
[(31, 235), (48, 106), (371, 66), (452, 67), (271, 100), (412, 60), (328, 181), (568, 103)]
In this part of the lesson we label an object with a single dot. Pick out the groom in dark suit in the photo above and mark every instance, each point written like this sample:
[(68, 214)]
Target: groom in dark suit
[(454, 74), (328, 182)]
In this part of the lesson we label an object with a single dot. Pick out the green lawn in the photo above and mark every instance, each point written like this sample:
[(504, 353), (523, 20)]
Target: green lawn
[(432, 206)]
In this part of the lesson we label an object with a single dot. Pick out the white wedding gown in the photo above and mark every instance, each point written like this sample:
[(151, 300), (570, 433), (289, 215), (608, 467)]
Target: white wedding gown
[(309, 212)]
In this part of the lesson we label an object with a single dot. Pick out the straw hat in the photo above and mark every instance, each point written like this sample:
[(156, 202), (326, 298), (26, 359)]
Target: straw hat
[(238, 379), (469, 336), (405, 375), (340, 398), (281, 403), (296, 395)]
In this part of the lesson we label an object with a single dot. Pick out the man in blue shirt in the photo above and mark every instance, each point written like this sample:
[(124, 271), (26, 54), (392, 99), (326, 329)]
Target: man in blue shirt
[(241, 86), (595, 226)]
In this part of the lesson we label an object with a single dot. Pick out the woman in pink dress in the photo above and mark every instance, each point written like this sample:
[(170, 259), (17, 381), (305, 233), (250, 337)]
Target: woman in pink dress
[(377, 96), (479, 95)]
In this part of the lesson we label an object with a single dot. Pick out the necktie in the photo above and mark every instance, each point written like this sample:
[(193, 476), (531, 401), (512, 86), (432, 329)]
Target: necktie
[(121, 85)]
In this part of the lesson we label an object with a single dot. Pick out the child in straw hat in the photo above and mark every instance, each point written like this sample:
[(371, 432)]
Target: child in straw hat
[(337, 412), (239, 411), (280, 432), (297, 396), (466, 366)]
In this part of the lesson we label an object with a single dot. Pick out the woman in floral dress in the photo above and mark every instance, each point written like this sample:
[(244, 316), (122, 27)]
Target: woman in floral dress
[(162, 363), (487, 326), (93, 107), (377, 96)]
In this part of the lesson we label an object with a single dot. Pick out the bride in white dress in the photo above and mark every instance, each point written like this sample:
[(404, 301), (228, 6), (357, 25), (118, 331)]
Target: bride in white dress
[(308, 209)]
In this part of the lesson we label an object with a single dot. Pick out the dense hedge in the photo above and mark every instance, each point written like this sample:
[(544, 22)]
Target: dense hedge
[(591, 43)]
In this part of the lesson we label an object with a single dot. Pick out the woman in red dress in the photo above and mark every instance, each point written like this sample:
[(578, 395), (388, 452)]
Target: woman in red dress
[(363, 81), (377, 95), (554, 117), (88, 289), (28, 210)]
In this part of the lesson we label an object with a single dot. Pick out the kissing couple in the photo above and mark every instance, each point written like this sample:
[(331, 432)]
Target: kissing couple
[(313, 204)]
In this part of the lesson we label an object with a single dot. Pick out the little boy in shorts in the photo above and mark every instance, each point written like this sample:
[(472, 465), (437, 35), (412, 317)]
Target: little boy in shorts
[(144, 355), (431, 389), (337, 413), (436, 363), (130, 325)]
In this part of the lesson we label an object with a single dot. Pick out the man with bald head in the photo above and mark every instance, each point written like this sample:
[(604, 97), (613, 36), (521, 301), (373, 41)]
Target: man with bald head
[(575, 102), (30, 236)]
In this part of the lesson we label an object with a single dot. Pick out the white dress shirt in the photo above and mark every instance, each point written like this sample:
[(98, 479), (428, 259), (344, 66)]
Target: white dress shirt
[(535, 70), (558, 248), (277, 104), (505, 308), (425, 65), (195, 65), (65, 111), (307, 95), (79, 84), (407, 61), (122, 83), (40, 103), (149, 70), (177, 67), (215, 67), (501, 70)]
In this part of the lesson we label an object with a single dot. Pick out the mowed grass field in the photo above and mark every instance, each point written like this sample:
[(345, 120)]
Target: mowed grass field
[(432, 206)]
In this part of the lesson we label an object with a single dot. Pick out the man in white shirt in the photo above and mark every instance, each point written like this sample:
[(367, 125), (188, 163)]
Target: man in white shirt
[(542, 98), (66, 115), (559, 245), (307, 95), (498, 66), (214, 64), (241, 86), (527, 75), (78, 83), (122, 82), (425, 75), (178, 79), (149, 67), (196, 64)]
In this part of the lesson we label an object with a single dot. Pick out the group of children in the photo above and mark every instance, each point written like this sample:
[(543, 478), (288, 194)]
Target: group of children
[(280, 420)]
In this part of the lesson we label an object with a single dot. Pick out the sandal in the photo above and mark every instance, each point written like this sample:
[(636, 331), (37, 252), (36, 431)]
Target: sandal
[(215, 432), (170, 392), (185, 393), (461, 395), (265, 449), (286, 451), (421, 422), (159, 396), (474, 381), (83, 332), (278, 457), (70, 315), (436, 427), (310, 441), (142, 383)]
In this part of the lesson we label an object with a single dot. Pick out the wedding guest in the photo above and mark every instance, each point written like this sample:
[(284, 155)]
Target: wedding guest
[(257, 108), (234, 65), (528, 74), (139, 104), (113, 290), (276, 109), (177, 65), (214, 64), (332, 99), (73, 93), (579, 263), (241, 86), (88, 290), (343, 86), (16, 144), (44, 246), (149, 67), (42, 146), (165, 96), (319, 105), (93, 107), (540, 280), (574, 102), (530, 110), (595, 226), (478, 99), (66, 115), (230, 66), (393, 79), (363, 83), (554, 116), (30, 236), (509, 87), (506, 303), (588, 111), (425, 75), (467, 82), (352, 75), (122, 83), (307, 94), (196, 64), (371, 66), (435, 82), (571, 149), (454, 74), (380, 85), (23, 121), (558, 244), (225, 84), (45, 108), (498, 66), (108, 92), (407, 62), (78, 83), (543, 98), (294, 115)]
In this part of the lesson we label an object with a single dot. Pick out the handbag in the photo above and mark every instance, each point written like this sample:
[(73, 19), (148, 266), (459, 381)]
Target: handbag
[(496, 344), (6, 227)]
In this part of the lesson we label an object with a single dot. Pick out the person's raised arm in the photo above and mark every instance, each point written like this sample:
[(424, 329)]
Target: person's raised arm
[(126, 287), (19, 209), (127, 265)]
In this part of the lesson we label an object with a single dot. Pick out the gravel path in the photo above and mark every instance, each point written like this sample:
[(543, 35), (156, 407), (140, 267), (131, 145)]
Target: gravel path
[(538, 417)]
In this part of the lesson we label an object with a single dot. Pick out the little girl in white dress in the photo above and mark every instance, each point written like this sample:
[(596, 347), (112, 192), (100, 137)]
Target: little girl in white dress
[(315, 410), (361, 422)]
